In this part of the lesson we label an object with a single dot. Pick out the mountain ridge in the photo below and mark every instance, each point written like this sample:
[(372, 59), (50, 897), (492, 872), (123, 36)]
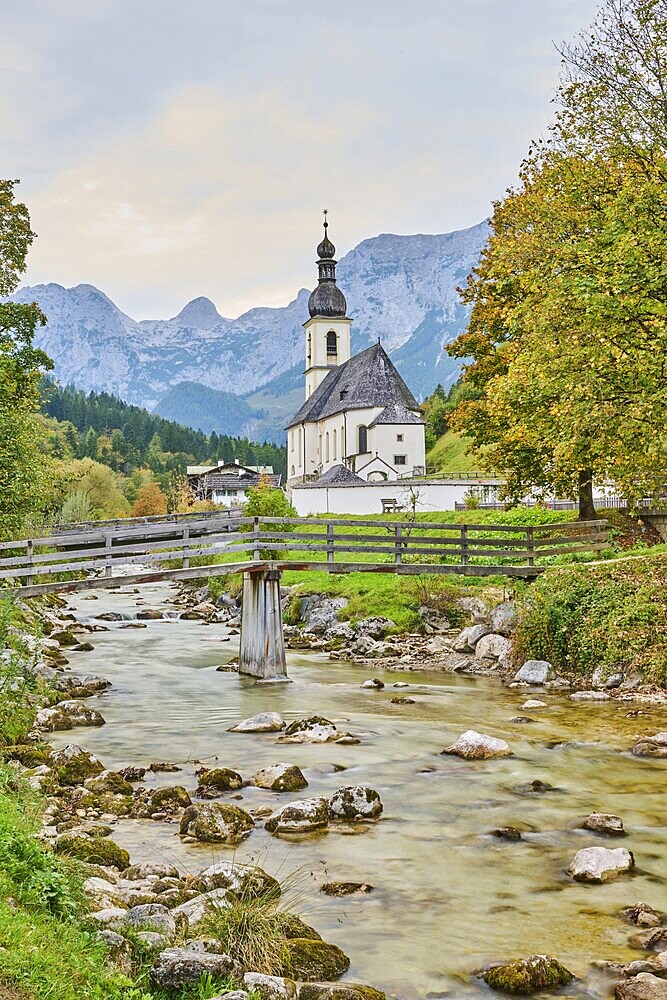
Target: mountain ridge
[(400, 288)]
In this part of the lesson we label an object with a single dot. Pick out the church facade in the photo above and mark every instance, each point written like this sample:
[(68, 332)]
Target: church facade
[(358, 412)]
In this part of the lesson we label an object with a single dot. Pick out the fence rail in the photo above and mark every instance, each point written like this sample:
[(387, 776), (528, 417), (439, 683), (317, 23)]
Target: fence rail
[(602, 503), (167, 549)]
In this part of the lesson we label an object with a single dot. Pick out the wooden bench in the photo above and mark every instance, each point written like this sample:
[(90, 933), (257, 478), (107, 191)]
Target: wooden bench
[(389, 505)]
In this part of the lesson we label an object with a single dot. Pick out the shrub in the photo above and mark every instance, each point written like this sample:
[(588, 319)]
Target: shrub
[(611, 615), (150, 502)]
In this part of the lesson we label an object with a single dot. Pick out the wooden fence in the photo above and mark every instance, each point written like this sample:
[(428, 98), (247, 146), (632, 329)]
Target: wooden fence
[(166, 549)]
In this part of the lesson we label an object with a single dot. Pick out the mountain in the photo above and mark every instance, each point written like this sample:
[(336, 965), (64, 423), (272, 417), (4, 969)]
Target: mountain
[(401, 289)]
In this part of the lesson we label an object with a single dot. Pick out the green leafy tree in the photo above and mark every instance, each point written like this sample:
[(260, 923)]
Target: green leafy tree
[(568, 330), (265, 500), (23, 466)]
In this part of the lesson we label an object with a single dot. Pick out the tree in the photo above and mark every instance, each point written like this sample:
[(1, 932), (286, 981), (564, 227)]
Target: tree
[(568, 330), (265, 500), (23, 466), (151, 501)]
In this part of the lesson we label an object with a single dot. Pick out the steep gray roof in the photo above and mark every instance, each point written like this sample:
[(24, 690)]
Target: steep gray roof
[(367, 379), (396, 413), (338, 475)]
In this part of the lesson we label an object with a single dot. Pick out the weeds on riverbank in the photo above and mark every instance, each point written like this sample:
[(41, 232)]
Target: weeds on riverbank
[(611, 615)]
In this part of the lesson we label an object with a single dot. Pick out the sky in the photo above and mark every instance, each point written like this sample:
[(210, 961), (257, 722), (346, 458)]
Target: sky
[(169, 149)]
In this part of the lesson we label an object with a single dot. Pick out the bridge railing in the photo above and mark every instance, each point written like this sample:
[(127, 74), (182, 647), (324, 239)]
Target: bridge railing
[(336, 545)]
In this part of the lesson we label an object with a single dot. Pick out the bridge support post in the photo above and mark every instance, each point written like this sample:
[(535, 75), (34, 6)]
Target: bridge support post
[(262, 651)]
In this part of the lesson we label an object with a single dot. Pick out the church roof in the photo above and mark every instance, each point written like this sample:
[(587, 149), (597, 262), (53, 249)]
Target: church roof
[(396, 413), (338, 475), (367, 379)]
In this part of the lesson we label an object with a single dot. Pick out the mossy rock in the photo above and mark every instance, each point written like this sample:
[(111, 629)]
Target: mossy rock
[(294, 927), (170, 797), (28, 754), (94, 852), (528, 975), (219, 779), (108, 781), (314, 961), (216, 823), (117, 805), (301, 725), (73, 765), (339, 991)]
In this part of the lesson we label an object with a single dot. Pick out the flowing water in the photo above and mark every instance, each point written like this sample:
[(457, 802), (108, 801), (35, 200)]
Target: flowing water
[(448, 896)]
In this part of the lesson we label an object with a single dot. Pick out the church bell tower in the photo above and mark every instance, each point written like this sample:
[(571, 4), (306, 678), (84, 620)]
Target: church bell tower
[(328, 329)]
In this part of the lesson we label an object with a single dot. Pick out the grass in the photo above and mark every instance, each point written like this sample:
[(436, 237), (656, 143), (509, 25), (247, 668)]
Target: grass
[(452, 453)]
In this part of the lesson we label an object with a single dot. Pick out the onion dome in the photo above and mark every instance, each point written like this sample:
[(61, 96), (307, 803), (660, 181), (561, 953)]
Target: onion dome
[(327, 299)]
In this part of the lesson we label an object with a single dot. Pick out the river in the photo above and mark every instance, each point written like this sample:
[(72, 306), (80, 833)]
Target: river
[(448, 896)]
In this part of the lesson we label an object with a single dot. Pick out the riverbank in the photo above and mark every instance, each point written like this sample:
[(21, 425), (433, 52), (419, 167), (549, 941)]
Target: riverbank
[(444, 883)]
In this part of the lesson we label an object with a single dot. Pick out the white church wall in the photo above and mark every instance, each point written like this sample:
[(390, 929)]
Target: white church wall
[(367, 498), (396, 441)]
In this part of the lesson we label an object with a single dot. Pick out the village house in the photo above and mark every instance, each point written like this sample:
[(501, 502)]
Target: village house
[(227, 483), (358, 412)]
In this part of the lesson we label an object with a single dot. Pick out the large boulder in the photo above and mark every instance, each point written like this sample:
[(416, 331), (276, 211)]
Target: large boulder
[(108, 781), (375, 628), (303, 816), (355, 802), (645, 986), (651, 746), (468, 638), (151, 917), (176, 967), (73, 764), (477, 746), (605, 823), (270, 987), (312, 960), (216, 823), (280, 778), (93, 850), (493, 647), (247, 881), (527, 975), (218, 780), (68, 715), (600, 864), (321, 613), (504, 618), (315, 729), (265, 722), (534, 672)]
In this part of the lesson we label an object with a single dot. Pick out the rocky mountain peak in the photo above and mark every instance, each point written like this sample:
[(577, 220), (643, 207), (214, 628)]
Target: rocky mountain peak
[(200, 314)]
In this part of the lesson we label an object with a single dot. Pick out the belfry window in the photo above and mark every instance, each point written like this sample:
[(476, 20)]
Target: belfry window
[(332, 344)]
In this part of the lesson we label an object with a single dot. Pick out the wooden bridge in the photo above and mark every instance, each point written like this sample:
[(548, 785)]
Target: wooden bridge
[(120, 553)]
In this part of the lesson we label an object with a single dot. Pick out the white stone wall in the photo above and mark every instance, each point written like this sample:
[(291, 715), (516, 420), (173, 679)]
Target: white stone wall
[(367, 498)]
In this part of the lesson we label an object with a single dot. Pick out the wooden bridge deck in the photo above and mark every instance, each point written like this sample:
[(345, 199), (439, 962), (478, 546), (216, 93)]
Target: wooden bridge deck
[(230, 543)]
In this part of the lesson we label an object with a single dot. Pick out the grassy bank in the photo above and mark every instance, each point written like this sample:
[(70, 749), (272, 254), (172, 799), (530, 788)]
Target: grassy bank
[(612, 616)]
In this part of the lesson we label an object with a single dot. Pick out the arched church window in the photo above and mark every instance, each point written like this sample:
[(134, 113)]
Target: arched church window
[(363, 439), (335, 445), (332, 343), (326, 447)]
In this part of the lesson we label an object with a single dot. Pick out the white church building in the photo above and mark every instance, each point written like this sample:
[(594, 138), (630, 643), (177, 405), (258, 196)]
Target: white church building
[(359, 422)]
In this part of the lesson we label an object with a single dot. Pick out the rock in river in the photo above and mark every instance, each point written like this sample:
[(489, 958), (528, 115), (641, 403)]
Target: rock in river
[(265, 722), (477, 746), (355, 802), (651, 746), (313, 960), (304, 816), (604, 823), (313, 730), (73, 764), (218, 780), (176, 967), (527, 975), (67, 715), (643, 987), (340, 889), (339, 991), (216, 823), (600, 864), (281, 778), (534, 672)]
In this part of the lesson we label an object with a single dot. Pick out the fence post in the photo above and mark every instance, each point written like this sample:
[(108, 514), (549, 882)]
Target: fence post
[(330, 543), (29, 548), (186, 546), (530, 545), (398, 554), (464, 544), (107, 557), (255, 542)]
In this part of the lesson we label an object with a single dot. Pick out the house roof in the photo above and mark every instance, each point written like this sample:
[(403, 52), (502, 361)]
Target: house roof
[(338, 475), (368, 379), (396, 413), (231, 480)]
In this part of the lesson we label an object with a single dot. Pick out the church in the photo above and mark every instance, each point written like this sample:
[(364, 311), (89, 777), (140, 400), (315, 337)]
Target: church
[(359, 422)]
